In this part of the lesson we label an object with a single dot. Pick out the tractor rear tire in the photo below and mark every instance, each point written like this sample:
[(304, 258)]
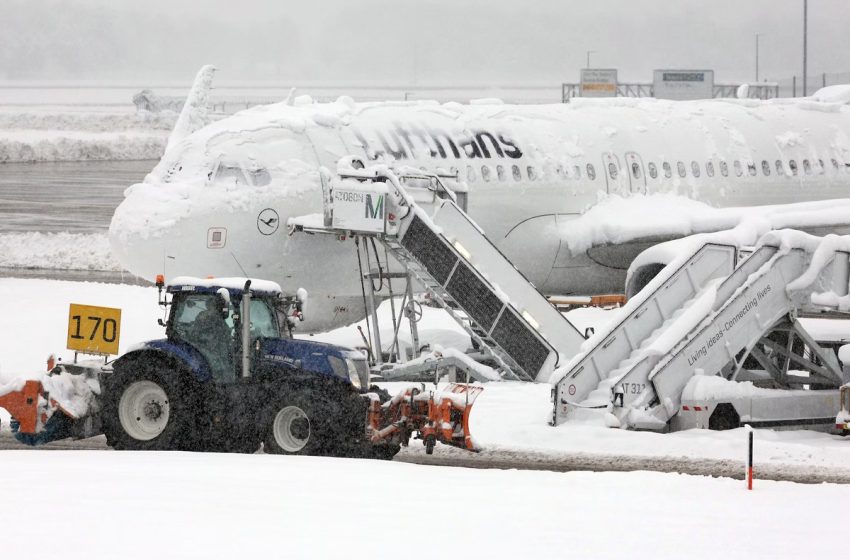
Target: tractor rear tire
[(299, 425), (148, 407)]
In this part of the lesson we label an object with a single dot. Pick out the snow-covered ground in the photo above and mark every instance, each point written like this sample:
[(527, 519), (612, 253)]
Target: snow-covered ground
[(57, 251), (90, 504), (62, 134), (507, 416)]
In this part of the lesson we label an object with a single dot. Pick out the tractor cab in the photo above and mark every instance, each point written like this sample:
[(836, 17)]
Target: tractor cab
[(208, 316)]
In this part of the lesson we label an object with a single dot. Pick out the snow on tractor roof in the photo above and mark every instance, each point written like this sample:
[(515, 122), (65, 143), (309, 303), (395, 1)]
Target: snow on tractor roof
[(235, 284)]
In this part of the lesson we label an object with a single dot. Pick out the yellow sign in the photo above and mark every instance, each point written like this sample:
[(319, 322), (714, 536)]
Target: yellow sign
[(93, 330)]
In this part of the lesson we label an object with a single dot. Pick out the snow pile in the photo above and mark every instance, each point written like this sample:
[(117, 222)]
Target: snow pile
[(616, 219), (58, 251), (712, 387), (77, 136)]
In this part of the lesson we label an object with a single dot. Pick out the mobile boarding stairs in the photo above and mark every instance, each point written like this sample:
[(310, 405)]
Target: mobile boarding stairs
[(420, 223), (712, 315)]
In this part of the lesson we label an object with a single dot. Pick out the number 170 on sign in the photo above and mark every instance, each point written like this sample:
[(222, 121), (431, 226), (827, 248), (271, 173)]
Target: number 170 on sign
[(93, 330)]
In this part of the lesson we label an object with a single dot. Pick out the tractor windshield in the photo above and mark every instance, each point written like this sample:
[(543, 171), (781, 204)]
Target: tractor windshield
[(200, 320)]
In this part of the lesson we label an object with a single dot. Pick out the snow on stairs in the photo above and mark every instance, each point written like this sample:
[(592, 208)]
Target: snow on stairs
[(722, 324), (608, 351)]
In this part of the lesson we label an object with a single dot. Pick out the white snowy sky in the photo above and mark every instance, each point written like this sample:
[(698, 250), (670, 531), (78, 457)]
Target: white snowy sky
[(425, 42)]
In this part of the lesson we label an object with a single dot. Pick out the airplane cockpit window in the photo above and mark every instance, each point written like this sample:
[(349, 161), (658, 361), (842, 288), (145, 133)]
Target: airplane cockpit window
[(635, 170), (500, 172), (835, 163), (470, 173), (653, 171), (709, 168), (485, 172), (668, 171), (229, 173), (695, 168), (260, 177), (751, 168), (739, 170), (591, 172), (516, 173), (680, 167), (807, 167), (724, 168), (612, 170), (765, 167), (577, 170), (779, 168), (532, 175), (792, 165)]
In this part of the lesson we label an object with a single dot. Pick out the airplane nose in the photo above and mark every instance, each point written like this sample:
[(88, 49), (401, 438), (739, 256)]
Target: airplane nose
[(140, 227)]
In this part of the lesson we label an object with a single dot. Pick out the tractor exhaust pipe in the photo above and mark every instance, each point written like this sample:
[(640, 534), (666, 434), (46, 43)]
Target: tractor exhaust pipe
[(246, 329)]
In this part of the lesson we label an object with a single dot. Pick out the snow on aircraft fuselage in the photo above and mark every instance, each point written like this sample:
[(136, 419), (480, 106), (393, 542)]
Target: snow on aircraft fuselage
[(218, 202)]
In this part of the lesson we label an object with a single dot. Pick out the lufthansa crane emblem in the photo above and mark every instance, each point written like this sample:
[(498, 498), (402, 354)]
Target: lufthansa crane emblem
[(268, 221)]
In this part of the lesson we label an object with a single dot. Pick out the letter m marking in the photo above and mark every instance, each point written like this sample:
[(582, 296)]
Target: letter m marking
[(375, 210)]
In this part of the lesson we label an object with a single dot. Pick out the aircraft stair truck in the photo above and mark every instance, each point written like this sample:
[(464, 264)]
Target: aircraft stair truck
[(420, 223), (739, 323), (229, 376)]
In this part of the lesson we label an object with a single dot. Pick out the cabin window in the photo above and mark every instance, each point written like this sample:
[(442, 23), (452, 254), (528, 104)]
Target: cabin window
[(612, 170), (485, 173), (751, 168), (453, 171), (793, 166), (591, 172), (821, 168), (636, 170), (500, 172), (780, 170), (680, 167), (516, 173), (695, 168), (470, 173), (653, 171), (835, 163), (765, 167), (724, 168), (668, 172), (807, 167), (739, 170), (709, 169), (532, 174), (577, 170)]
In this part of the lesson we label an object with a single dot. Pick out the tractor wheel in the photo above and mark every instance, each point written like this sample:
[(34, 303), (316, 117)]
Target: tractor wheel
[(430, 442), (146, 407), (298, 425)]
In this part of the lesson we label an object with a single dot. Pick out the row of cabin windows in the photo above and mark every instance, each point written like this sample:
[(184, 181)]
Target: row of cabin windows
[(809, 168), (515, 172)]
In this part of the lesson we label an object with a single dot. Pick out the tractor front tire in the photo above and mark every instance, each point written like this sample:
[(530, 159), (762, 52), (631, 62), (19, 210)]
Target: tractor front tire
[(298, 425), (149, 407)]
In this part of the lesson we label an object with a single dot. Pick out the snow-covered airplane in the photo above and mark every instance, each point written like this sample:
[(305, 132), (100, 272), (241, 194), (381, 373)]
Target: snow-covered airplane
[(569, 192)]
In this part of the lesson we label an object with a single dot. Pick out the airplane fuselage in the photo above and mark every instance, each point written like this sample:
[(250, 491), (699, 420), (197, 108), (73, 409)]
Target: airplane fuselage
[(218, 202)]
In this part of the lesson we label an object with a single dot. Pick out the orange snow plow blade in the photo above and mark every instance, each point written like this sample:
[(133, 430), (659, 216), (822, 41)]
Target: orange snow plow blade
[(23, 406), (431, 416)]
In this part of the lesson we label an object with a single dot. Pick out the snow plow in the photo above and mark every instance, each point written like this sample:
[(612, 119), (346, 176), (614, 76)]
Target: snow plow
[(229, 377)]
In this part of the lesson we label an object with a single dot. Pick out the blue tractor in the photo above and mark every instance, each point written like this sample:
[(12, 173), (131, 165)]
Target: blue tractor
[(229, 376)]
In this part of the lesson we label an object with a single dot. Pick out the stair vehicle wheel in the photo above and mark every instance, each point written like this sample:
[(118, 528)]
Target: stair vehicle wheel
[(145, 408)]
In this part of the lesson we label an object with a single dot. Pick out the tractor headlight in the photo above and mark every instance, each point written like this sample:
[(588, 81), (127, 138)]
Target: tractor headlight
[(353, 374)]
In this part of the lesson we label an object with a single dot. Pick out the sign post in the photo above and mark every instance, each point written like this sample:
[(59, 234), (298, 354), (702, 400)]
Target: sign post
[(598, 82), (683, 84)]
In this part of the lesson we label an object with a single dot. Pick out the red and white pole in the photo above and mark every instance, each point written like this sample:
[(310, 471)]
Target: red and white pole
[(750, 458)]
